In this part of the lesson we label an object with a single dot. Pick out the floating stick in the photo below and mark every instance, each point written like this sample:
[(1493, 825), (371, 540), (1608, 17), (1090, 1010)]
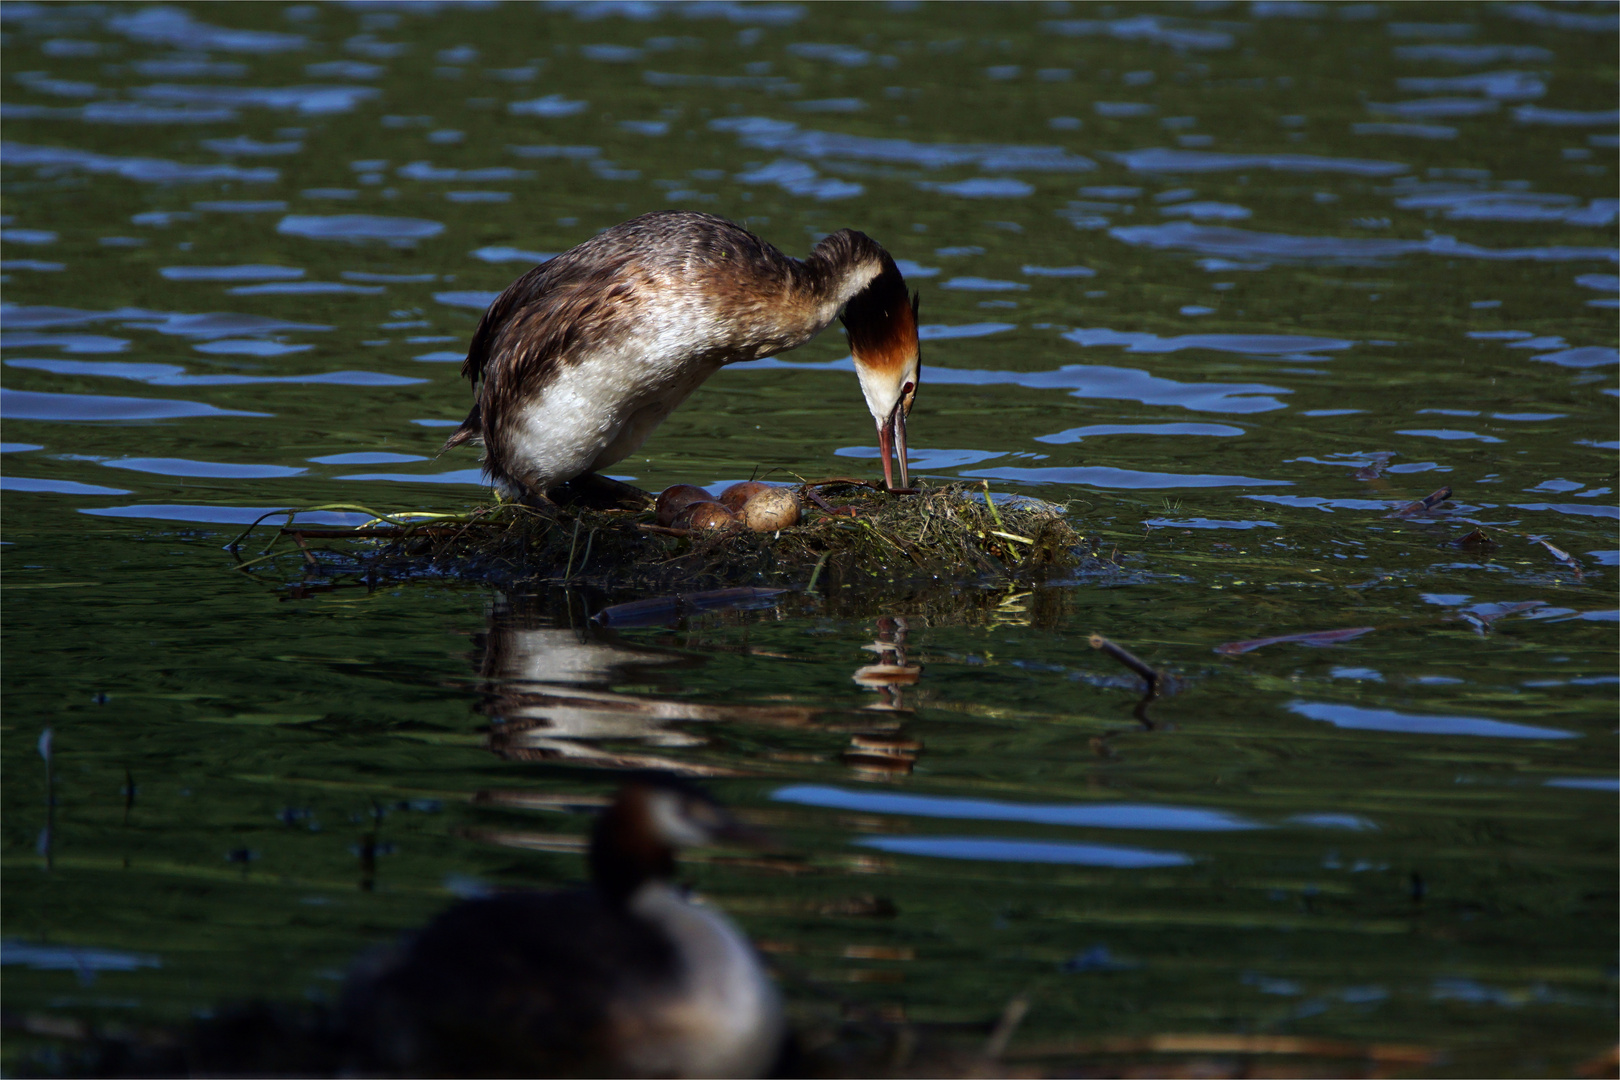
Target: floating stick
[(1124, 657)]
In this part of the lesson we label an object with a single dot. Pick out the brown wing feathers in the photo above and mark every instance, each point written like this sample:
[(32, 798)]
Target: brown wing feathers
[(529, 332)]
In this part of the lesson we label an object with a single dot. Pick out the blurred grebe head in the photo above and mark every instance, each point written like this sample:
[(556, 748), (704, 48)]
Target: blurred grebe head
[(655, 815)]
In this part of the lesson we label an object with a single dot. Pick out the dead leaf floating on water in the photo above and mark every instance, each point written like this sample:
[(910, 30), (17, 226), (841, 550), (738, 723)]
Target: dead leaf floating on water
[(1317, 638), (1476, 541), (1564, 557), (1482, 618)]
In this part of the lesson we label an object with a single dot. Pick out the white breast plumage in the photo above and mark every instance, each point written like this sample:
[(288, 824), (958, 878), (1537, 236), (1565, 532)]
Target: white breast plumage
[(726, 1019)]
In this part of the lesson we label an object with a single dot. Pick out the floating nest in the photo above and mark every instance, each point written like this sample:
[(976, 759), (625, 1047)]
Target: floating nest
[(851, 533)]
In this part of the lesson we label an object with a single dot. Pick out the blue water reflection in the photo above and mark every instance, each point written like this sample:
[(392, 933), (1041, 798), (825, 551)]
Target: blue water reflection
[(73, 958), (78, 408), (1103, 476), (221, 515), (1585, 783), (1095, 815), (53, 159), (457, 476), (1074, 435), (1333, 250), (1205, 523), (231, 273), (358, 227), (215, 469), (367, 457), (1285, 345), (1356, 718), (993, 849), (175, 375), (55, 487)]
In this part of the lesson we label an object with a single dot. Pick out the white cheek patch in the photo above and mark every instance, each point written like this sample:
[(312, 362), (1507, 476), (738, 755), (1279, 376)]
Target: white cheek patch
[(671, 824), (880, 393)]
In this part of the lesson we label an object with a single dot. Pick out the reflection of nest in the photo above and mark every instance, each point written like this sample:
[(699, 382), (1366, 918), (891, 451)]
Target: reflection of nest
[(871, 537), (548, 691)]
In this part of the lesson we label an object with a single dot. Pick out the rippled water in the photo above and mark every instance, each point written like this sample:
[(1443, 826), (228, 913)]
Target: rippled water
[(1239, 283)]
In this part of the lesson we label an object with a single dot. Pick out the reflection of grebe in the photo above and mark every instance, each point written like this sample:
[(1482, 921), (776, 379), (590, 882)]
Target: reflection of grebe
[(625, 978), (551, 693), (583, 356)]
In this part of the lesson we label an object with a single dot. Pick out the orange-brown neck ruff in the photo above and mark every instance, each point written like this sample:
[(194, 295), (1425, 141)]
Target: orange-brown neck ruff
[(881, 322)]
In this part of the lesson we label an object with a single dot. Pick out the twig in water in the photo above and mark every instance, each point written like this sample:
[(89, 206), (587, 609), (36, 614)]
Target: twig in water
[(1124, 657), (1425, 504), (309, 557), (1002, 1033)]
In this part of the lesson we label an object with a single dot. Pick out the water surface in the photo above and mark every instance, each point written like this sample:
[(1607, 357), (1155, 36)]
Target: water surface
[(1238, 284)]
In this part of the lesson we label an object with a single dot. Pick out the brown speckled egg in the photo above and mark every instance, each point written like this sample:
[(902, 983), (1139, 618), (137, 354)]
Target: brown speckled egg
[(771, 509), (738, 494), (675, 499), (704, 515)]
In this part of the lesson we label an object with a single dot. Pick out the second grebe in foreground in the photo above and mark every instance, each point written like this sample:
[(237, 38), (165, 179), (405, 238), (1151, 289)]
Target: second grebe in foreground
[(583, 356), (625, 978)]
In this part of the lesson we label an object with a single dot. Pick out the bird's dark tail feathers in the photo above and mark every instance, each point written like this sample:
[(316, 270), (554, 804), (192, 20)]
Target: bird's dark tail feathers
[(470, 431)]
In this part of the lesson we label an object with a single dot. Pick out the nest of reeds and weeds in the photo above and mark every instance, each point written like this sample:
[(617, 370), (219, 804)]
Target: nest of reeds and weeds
[(850, 533)]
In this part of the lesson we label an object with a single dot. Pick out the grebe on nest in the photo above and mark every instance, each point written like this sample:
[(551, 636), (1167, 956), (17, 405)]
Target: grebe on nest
[(625, 978), (583, 356)]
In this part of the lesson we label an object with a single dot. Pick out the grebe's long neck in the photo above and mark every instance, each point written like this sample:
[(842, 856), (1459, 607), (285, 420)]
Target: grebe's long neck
[(774, 302), (625, 852), (839, 271), (842, 265)]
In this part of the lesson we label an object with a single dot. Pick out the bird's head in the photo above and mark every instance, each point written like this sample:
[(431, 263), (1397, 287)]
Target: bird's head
[(653, 816), (882, 324)]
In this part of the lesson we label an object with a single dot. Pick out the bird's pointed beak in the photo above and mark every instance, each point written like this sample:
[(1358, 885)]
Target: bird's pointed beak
[(885, 451), (892, 443), (898, 421)]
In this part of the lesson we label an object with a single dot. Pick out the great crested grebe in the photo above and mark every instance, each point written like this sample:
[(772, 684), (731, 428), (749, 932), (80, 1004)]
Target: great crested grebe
[(625, 978), (583, 356)]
